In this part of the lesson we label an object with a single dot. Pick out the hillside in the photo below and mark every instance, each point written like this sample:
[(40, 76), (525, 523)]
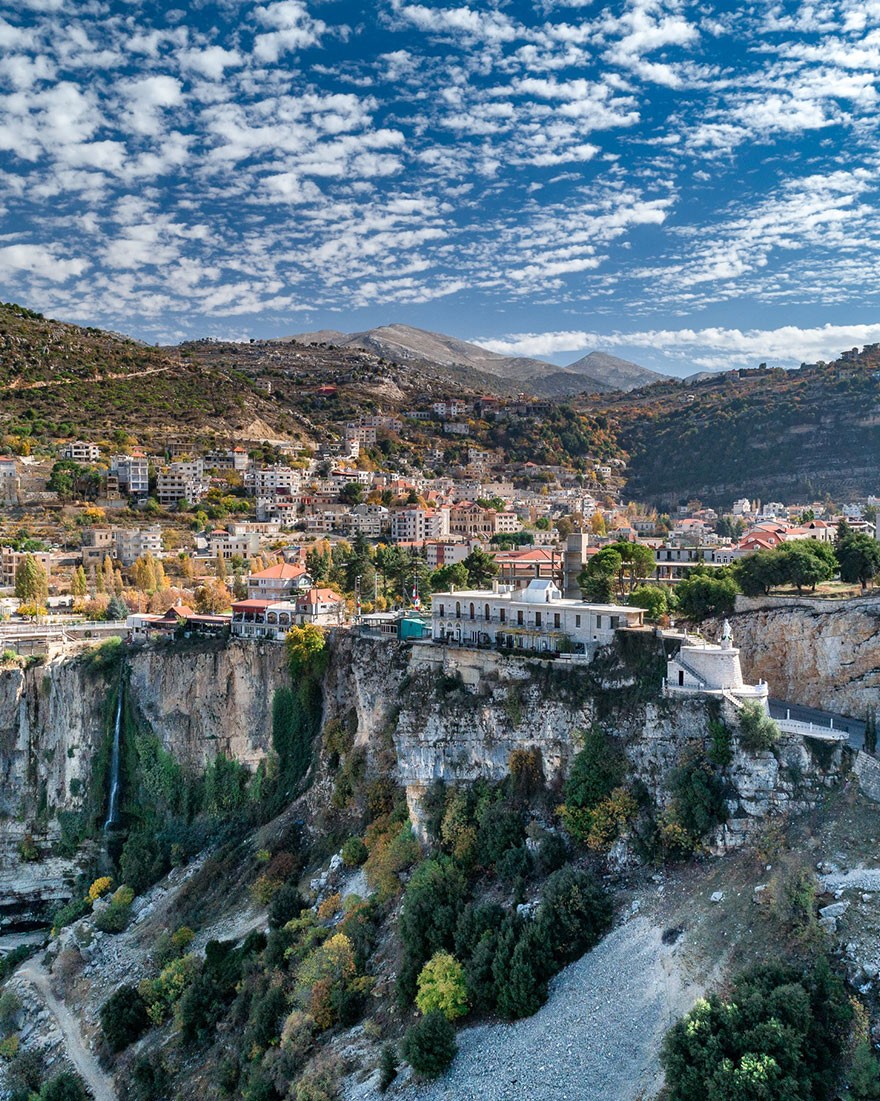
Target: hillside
[(767, 433), (64, 380), (618, 374)]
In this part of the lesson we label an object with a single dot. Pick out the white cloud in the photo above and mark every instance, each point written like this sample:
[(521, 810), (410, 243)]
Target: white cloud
[(41, 261)]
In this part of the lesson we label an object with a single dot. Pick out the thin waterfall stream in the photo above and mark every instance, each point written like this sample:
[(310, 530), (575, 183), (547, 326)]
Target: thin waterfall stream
[(113, 805)]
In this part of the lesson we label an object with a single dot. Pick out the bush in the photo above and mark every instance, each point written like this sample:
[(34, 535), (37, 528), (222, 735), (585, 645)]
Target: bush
[(354, 852), (286, 904), (429, 1045), (698, 797), (575, 913), (69, 913), (441, 987), (10, 1007), (387, 1067), (779, 1036), (757, 731), (64, 1087), (596, 771), (500, 827), (523, 989), (123, 1018), (431, 906)]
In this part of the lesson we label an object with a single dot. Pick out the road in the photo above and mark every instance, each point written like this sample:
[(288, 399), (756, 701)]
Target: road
[(86, 1064), (780, 709)]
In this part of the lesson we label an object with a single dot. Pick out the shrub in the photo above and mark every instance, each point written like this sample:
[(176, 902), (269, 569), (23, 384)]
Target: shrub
[(100, 887), (757, 731), (429, 1045), (63, 1087), (500, 828), (114, 918), (10, 1007), (69, 913), (320, 1082), (698, 797), (779, 1036), (596, 771), (387, 1066), (431, 906), (9, 1047), (441, 986), (522, 989), (354, 852), (287, 903), (163, 993), (864, 1074), (149, 1081), (574, 914), (123, 1018)]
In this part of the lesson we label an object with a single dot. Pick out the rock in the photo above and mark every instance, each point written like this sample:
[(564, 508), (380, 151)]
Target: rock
[(835, 910), (716, 896)]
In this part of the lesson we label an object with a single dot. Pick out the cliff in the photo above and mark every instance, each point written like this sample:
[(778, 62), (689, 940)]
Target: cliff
[(56, 723), (819, 653)]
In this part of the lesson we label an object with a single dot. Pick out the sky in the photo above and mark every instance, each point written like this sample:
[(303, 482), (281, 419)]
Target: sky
[(693, 186)]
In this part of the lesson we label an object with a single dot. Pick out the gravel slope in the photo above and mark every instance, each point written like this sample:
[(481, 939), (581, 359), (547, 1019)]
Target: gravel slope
[(597, 1038)]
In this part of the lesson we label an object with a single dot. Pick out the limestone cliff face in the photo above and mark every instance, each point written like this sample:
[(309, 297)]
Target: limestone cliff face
[(209, 698), (52, 724), (815, 652), (55, 725)]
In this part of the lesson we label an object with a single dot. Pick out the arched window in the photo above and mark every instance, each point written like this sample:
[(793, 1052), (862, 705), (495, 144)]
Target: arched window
[(458, 609), (473, 610), (486, 613)]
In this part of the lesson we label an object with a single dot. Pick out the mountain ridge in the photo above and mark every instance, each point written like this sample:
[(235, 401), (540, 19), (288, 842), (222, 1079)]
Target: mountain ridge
[(598, 372)]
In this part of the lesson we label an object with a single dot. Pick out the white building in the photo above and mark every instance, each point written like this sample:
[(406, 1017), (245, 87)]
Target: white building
[(81, 452), (713, 669), (133, 472), (10, 484), (537, 619), (371, 521), (413, 525), (181, 481), (264, 481)]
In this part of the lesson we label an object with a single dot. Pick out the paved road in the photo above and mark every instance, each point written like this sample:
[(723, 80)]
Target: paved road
[(85, 1063), (779, 709)]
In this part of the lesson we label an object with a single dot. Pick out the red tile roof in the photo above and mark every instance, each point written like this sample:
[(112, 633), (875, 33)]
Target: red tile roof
[(285, 571)]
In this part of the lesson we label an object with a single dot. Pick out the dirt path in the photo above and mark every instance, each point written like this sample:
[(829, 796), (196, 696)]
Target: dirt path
[(43, 383), (86, 1064)]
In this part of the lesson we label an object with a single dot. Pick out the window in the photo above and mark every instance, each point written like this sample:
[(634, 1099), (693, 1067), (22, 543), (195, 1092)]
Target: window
[(556, 620), (577, 619), (472, 611), (519, 617), (614, 622), (486, 613), (598, 623), (537, 619), (458, 609), (502, 615), (442, 609)]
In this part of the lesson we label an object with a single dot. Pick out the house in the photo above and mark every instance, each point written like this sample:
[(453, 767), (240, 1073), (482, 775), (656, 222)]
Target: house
[(178, 616), (79, 451), (182, 480), (321, 606), (126, 545), (281, 582), (538, 619), (414, 525)]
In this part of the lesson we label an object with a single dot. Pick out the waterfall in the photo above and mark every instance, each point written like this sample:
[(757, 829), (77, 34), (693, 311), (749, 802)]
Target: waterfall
[(113, 806)]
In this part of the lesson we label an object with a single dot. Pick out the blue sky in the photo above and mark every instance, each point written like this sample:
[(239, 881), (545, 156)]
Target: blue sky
[(682, 184)]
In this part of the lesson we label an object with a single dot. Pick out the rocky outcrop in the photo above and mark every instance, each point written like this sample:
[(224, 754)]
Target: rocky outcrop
[(819, 653)]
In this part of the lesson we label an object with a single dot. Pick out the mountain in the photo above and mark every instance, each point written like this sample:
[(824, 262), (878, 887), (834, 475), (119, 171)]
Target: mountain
[(618, 374), (596, 373)]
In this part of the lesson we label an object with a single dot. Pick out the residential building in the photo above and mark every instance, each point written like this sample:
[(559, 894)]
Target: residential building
[(362, 434), (10, 559), (278, 582), (182, 480), (414, 525), (470, 519), (280, 508), (371, 521), (10, 483), (234, 458), (272, 619), (223, 544), (79, 451), (133, 473), (264, 481), (537, 619), (125, 545)]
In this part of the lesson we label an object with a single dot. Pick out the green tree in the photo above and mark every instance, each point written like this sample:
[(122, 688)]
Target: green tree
[(31, 581), (79, 586), (871, 730), (864, 1074), (64, 1087), (655, 599), (481, 568), (123, 1018), (445, 578), (802, 565), (859, 557), (117, 609), (703, 595), (441, 986), (597, 578), (429, 1045), (757, 730)]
